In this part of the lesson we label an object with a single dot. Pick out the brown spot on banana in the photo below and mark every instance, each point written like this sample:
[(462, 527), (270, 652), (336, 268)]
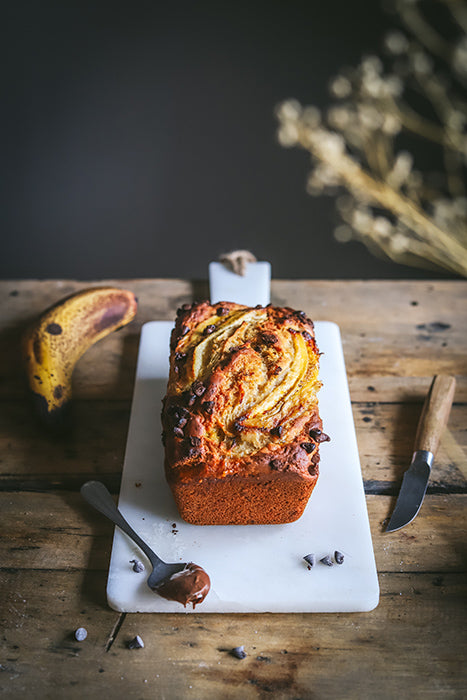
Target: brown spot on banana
[(61, 335), (58, 392), (37, 350), (54, 329)]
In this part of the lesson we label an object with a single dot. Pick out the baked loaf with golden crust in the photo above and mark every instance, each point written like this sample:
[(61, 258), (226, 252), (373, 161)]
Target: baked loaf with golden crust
[(241, 426)]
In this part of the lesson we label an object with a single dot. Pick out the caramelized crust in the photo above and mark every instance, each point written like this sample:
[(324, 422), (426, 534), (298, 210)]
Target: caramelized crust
[(240, 420)]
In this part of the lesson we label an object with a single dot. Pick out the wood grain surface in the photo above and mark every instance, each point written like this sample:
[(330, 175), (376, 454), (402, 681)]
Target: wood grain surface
[(55, 550)]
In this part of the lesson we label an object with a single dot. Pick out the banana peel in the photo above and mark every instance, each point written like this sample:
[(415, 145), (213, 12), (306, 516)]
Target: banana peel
[(53, 344)]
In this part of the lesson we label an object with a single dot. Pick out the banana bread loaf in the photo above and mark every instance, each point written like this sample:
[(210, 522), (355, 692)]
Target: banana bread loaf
[(241, 426)]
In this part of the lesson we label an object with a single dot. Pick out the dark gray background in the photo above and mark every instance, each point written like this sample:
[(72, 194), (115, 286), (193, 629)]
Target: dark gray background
[(139, 137)]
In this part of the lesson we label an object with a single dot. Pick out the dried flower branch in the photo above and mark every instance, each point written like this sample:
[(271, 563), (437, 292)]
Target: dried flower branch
[(391, 206)]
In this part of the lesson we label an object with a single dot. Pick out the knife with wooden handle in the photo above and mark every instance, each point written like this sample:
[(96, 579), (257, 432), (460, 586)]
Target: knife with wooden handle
[(432, 422)]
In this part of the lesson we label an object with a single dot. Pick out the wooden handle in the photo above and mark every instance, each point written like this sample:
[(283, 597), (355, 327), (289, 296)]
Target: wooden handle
[(435, 412)]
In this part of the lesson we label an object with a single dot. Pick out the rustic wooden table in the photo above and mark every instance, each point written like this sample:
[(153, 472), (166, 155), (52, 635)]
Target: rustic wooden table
[(55, 549)]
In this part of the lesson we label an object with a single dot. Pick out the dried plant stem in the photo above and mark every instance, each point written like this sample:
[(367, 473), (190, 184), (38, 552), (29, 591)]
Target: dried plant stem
[(368, 188), (432, 132), (420, 28), (459, 13)]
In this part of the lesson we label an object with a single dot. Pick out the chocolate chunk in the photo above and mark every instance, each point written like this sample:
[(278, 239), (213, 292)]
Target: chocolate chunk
[(310, 559), (277, 430), (180, 356), (269, 338), (277, 369), (276, 463), (136, 643), (209, 329), (178, 414), (208, 407), (182, 422), (315, 433), (138, 566), (178, 432), (239, 652), (198, 388), (221, 311), (301, 314), (308, 447), (189, 397), (327, 561), (183, 331), (318, 435), (306, 335), (339, 557)]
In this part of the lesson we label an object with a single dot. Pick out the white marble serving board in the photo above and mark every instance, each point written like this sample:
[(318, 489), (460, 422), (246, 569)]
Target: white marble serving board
[(253, 568)]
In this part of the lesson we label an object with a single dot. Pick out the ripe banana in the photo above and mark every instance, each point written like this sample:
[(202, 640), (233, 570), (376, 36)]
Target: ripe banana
[(61, 335)]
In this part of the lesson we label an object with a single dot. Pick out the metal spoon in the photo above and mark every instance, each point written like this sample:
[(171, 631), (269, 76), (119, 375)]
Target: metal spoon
[(97, 495)]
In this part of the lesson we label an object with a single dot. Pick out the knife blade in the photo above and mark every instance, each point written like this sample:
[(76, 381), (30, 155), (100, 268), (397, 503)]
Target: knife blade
[(435, 414)]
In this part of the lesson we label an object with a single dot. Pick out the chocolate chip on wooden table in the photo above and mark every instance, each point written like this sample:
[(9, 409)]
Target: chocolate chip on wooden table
[(80, 634), (136, 643), (239, 652)]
